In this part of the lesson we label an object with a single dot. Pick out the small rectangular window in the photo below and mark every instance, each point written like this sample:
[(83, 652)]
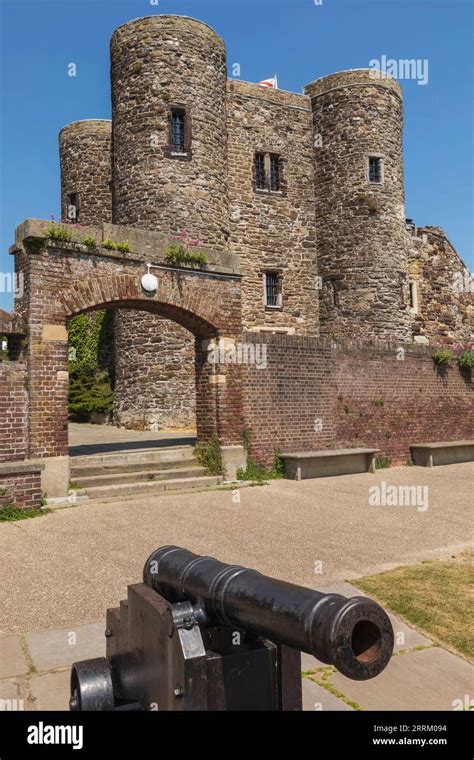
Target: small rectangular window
[(178, 117), (272, 289), (72, 211), (260, 171), (274, 172), (375, 169), (413, 297)]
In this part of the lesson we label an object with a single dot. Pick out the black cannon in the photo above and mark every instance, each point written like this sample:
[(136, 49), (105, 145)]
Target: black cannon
[(198, 634)]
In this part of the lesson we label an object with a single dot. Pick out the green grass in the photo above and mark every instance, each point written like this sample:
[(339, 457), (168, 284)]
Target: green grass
[(436, 597), (12, 514)]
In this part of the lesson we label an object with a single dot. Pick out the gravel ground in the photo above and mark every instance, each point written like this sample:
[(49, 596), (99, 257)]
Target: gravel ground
[(67, 567)]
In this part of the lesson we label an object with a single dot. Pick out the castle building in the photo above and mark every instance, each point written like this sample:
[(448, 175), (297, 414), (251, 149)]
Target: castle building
[(307, 189)]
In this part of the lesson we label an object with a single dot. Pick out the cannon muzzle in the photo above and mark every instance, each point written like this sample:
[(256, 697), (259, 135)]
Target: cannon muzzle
[(355, 635)]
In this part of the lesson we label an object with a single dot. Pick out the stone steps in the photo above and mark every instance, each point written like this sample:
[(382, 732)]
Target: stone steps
[(128, 490), (129, 473), (79, 472), (119, 459), (151, 475)]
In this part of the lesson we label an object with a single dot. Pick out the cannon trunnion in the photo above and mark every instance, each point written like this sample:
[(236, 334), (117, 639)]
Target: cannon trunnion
[(198, 634)]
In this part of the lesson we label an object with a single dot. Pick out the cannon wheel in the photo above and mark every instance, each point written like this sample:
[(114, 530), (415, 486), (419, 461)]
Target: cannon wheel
[(91, 685)]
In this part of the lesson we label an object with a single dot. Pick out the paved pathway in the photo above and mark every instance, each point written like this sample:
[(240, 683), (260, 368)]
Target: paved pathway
[(67, 567), (63, 570), (35, 671), (101, 439)]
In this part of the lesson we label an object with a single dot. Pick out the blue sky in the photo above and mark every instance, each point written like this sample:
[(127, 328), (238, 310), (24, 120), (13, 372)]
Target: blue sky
[(297, 39)]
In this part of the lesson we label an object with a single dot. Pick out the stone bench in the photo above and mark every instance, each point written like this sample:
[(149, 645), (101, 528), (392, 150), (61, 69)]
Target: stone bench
[(445, 452), (321, 464)]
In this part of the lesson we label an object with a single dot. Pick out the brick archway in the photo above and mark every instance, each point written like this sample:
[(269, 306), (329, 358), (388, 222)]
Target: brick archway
[(177, 299), (62, 279)]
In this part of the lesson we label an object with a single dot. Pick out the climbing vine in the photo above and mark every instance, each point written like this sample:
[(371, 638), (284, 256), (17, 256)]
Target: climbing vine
[(90, 379)]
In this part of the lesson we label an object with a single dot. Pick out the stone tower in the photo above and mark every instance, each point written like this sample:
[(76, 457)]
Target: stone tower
[(84, 152), (165, 69), (360, 212)]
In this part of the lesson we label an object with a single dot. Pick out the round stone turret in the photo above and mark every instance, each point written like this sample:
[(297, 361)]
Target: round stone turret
[(360, 211), (84, 151)]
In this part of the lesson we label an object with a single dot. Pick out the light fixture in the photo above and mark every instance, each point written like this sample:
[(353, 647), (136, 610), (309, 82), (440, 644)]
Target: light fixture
[(149, 281)]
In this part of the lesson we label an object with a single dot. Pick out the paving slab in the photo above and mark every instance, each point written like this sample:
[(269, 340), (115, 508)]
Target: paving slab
[(10, 697), (58, 649), (428, 679), (51, 691), (12, 659), (318, 699)]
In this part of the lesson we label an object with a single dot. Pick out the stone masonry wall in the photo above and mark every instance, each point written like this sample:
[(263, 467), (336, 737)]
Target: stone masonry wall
[(165, 62), (273, 230), (316, 395), (362, 252), (445, 290), (154, 373), (84, 151)]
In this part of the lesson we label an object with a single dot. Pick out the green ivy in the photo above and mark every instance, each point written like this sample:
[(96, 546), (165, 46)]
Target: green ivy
[(257, 472), (90, 386)]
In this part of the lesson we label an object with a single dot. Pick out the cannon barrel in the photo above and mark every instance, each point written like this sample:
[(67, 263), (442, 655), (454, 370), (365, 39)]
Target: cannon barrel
[(355, 635)]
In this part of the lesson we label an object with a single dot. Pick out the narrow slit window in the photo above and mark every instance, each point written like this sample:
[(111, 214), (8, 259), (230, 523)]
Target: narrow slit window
[(72, 208), (413, 297), (178, 118), (272, 289), (275, 172), (375, 169), (260, 171)]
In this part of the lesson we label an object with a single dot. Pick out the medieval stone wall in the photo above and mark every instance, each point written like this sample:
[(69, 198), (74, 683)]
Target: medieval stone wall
[(165, 62), (314, 394), (337, 241), (362, 253), (84, 151), (443, 311), (273, 230), (154, 373)]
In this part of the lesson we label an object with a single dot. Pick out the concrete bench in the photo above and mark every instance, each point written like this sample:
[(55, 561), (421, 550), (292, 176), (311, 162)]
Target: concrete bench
[(445, 452), (321, 464)]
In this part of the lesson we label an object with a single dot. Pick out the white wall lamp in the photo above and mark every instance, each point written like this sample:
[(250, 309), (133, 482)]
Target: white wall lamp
[(149, 281)]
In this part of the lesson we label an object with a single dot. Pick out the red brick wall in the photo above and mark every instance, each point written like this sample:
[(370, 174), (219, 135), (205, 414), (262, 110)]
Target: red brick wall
[(21, 489), (13, 411), (313, 396)]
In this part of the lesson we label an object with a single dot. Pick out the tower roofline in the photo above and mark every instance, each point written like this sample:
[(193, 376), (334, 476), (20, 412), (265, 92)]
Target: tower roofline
[(366, 76), (169, 15), (84, 121)]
